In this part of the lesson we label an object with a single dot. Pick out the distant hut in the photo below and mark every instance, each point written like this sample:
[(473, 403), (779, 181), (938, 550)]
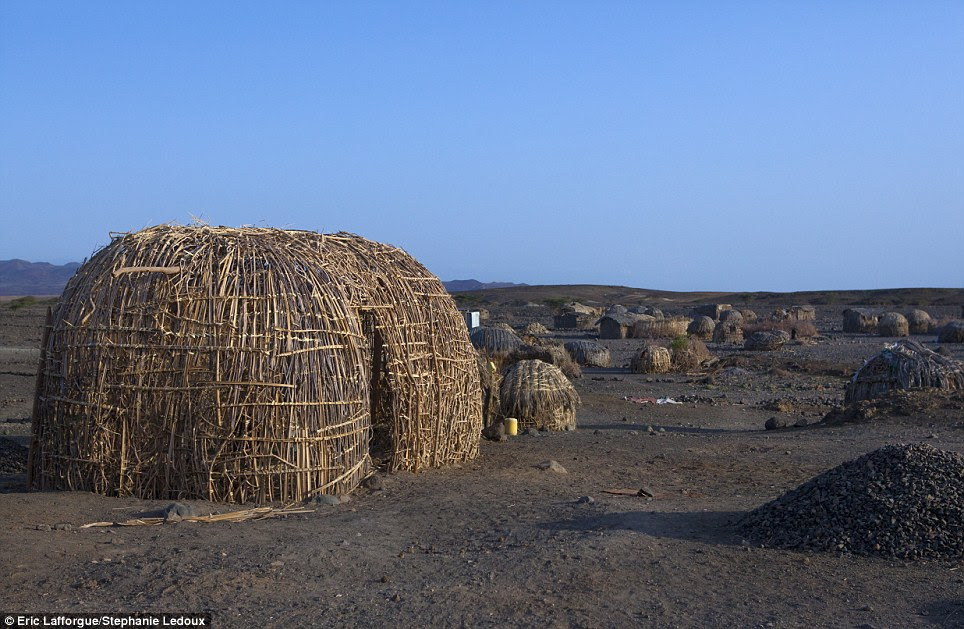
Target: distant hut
[(711, 310), (616, 309), (766, 340), (732, 315), (701, 327), (952, 332), (651, 359), (589, 353), (574, 321), (502, 325), (727, 332), (650, 328), (859, 320), (690, 354), (547, 353), (494, 342), (749, 316), (904, 365), (801, 313), (919, 321), (617, 325), (892, 324), (649, 311), (539, 396), (575, 315)]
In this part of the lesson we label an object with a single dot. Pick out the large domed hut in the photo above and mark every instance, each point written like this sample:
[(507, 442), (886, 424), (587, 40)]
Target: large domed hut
[(250, 364), (495, 342), (904, 365)]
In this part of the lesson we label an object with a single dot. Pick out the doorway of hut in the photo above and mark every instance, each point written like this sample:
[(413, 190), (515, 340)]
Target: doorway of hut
[(381, 445)]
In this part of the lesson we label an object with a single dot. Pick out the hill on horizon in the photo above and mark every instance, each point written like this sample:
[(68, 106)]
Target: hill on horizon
[(19, 277)]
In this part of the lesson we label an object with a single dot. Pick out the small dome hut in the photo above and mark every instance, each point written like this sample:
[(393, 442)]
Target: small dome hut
[(651, 359), (496, 342), (904, 365), (918, 321), (727, 332), (701, 327), (250, 364), (539, 396), (535, 329), (651, 328), (892, 324), (952, 332), (589, 353)]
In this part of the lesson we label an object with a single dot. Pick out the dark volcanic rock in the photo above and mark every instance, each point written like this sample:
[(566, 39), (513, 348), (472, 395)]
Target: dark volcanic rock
[(899, 501)]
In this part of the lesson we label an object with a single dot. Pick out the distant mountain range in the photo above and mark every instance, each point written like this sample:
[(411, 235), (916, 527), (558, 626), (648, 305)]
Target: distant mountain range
[(460, 286), (19, 277)]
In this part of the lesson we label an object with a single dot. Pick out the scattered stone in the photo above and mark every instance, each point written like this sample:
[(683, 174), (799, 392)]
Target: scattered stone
[(800, 423), (775, 422), (374, 483), (646, 491), (43, 527), (533, 432), (552, 466), (63, 526), (13, 457), (385, 579), (900, 501), (585, 500)]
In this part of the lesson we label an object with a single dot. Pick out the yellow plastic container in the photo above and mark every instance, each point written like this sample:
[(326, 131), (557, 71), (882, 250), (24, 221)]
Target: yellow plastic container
[(511, 426)]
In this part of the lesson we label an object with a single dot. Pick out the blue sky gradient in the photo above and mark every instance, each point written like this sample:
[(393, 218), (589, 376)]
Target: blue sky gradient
[(675, 145)]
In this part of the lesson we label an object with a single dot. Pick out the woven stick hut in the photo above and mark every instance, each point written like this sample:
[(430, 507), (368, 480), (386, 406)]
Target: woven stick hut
[(651, 359), (952, 332), (650, 328), (589, 353), (539, 396), (727, 332), (250, 364), (919, 321), (892, 324), (617, 325), (495, 342), (701, 327), (904, 365), (859, 320)]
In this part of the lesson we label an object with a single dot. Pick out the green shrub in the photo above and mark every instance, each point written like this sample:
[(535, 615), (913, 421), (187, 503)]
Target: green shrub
[(22, 302)]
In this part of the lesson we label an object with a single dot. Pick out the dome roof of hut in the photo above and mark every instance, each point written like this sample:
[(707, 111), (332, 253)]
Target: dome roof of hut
[(539, 395), (904, 365), (250, 364)]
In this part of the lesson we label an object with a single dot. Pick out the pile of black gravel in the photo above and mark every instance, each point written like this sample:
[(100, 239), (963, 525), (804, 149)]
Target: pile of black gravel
[(899, 501), (13, 457)]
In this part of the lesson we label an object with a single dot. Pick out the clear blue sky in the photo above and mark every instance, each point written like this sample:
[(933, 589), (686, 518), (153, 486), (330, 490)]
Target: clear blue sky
[(676, 145)]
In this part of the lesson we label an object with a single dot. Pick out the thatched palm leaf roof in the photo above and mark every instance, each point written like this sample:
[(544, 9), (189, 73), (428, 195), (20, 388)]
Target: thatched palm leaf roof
[(539, 395)]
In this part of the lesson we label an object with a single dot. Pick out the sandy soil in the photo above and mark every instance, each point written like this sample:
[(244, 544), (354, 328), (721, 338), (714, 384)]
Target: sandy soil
[(500, 542)]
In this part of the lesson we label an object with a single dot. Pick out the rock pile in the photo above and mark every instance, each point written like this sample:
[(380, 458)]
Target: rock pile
[(899, 501), (13, 457)]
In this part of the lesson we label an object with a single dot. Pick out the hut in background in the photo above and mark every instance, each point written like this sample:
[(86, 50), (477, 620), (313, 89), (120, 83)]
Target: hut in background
[(892, 324), (250, 364), (651, 359), (766, 340), (539, 396), (495, 342), (952, 332), (589, 353), (701, 327), (617, 325), (904, 365), (727, 332), (859, 320), (918, 321), (650, 328)]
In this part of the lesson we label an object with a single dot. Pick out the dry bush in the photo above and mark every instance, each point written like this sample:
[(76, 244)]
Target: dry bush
[(796, 329)]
